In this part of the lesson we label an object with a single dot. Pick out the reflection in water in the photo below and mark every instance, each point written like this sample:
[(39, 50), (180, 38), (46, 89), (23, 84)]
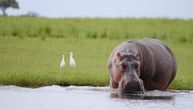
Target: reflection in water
[(140, 96)]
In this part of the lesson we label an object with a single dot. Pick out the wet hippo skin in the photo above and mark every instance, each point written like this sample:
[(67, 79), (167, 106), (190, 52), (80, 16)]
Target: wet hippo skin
[(139, 65)]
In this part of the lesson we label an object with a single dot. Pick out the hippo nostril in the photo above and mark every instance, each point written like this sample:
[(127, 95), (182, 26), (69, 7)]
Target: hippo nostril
[(132, 87)]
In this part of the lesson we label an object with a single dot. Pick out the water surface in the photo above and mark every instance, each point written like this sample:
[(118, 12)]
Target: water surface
[(90, 98)]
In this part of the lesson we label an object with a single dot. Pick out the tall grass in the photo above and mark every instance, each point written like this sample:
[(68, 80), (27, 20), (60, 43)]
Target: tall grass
[(31, 48), (120, 28)]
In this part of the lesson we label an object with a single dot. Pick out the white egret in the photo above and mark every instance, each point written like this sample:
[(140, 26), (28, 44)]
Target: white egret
[(62, 64), (72, 61)]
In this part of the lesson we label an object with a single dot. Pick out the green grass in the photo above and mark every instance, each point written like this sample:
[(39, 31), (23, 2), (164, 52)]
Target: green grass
[(31, 48), (33, 62)]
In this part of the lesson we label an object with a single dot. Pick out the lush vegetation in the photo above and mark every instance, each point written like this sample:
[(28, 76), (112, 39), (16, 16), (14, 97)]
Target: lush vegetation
[(31, 48)]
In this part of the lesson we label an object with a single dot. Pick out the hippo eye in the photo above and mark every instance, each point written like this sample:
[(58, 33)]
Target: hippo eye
[(135, 65), (124, 65)]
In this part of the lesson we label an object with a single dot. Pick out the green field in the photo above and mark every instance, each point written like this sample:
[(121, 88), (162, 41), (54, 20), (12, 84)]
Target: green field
[(31, 48)]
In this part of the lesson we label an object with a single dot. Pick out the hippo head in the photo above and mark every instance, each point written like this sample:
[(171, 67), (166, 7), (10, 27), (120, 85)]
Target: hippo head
[(129, 66)]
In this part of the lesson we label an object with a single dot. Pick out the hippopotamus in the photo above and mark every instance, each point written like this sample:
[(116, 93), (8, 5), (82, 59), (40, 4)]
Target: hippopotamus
[(136, 66)]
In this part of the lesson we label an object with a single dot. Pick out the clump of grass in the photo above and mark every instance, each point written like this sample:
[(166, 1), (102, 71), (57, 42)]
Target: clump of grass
[(182, 39), (92, 35)]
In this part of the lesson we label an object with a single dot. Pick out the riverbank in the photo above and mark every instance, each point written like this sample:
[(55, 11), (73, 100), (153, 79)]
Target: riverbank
[(31, 48)]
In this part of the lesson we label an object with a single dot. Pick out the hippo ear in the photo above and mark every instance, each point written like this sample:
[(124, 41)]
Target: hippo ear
[(119, 55)]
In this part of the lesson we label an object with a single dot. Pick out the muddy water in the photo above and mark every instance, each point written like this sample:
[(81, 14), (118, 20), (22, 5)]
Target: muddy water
[(90, 98)]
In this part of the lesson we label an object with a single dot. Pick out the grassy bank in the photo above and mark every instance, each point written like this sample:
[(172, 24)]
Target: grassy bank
[(31, 48)]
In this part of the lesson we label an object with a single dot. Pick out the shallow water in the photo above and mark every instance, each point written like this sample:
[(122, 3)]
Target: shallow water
[(90, 98)]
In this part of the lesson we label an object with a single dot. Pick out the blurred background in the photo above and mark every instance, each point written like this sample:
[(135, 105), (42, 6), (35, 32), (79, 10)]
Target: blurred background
[(106, 8)]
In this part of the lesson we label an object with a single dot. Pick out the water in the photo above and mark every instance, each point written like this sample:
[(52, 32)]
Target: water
[(90, 98)]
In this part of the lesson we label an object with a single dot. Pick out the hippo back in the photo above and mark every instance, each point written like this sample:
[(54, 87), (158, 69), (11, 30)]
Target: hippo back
[(158, 65)]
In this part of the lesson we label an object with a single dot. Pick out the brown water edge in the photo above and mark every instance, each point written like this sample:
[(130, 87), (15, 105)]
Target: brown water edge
[(140, 97), (149, 95)]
